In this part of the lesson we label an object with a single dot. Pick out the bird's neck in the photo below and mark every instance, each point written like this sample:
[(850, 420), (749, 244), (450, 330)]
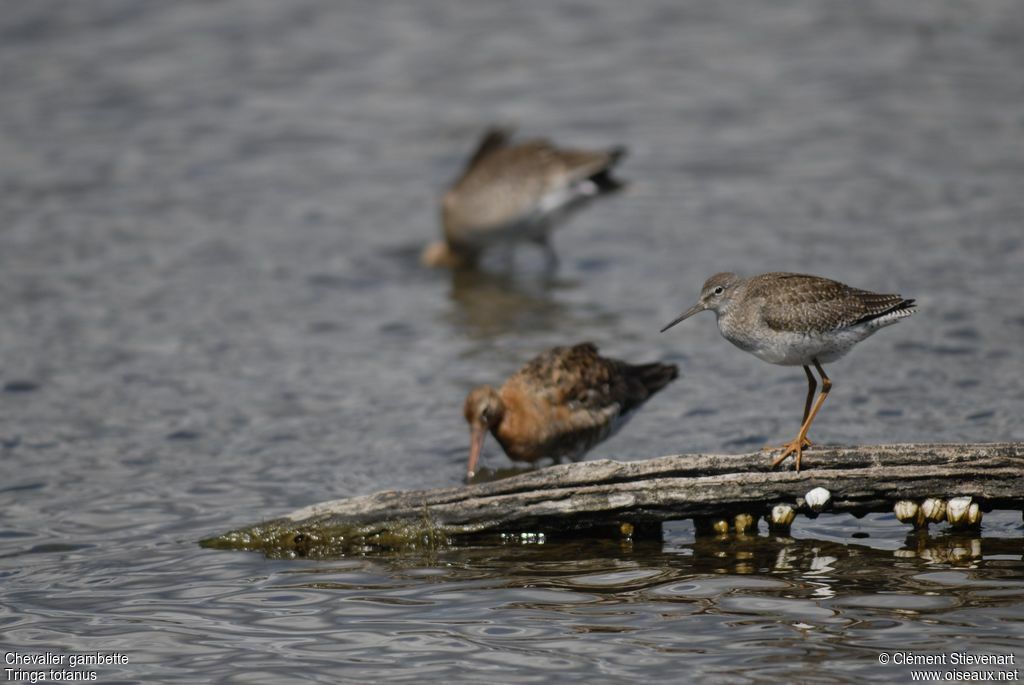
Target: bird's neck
[(733, 330)]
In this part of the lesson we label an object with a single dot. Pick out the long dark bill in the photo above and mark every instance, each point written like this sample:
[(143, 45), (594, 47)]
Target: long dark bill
[(685, 315), (476, 443)]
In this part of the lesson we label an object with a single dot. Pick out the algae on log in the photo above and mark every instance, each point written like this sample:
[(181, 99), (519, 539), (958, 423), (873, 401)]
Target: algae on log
[(606, 494)]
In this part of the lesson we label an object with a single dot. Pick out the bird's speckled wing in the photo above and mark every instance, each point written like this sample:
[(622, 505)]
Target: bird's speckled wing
[(568, 399), (576, 377), (812, 303), (577, 396)]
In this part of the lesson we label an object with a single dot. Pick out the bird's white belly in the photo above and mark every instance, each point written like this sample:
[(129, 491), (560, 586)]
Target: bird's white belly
[(798, 349)]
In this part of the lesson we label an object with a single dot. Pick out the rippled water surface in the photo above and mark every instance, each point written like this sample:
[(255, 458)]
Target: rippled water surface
[(211, 313)]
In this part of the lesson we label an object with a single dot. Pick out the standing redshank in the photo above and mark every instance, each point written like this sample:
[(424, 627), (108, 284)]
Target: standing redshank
[(795, 319), (560, 404), (517, 193)]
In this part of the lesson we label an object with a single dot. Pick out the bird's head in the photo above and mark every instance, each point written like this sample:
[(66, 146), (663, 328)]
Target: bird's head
[(715, 295), (484, 411)]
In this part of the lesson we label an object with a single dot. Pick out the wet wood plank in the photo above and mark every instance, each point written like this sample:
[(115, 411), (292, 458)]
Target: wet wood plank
[(595, 494)]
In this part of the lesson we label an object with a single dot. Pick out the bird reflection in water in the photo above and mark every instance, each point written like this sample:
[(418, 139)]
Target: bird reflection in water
[(487, 305)]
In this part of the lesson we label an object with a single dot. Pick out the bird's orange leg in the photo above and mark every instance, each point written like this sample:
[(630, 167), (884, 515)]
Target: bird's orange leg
[(812, 385), (796, 447)]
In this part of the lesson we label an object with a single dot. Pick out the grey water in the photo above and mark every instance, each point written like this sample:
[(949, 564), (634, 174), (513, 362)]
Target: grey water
[(212, 313)]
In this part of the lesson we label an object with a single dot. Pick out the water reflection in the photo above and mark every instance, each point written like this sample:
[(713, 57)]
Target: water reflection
[(835, 562), (487, 304), (810, 581)]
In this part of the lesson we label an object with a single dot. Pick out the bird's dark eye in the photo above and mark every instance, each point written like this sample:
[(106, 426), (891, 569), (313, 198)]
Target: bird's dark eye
[(718, 290)]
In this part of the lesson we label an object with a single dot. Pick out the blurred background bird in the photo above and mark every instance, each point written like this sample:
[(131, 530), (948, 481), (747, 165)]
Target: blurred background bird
[(513, 193)]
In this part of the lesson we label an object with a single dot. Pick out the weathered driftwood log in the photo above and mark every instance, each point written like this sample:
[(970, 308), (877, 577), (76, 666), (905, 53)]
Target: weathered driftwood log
[(598, 494)]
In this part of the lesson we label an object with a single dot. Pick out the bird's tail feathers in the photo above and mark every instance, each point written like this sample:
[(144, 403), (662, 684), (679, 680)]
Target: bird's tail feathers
[(656, 375)]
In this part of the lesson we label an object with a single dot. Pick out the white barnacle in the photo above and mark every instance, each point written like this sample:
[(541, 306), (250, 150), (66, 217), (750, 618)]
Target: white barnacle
[(817, 498), (934, 509), (906, 511), (782, 515), (973, 514), (956, 510)]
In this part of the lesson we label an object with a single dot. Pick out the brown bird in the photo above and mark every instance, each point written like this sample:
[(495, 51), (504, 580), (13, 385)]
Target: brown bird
[(560, 404), (796, 320), (517, 193)]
